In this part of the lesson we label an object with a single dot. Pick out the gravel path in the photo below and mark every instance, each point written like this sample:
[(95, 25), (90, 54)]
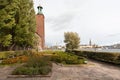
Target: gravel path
[(91, 71), (5, 70)]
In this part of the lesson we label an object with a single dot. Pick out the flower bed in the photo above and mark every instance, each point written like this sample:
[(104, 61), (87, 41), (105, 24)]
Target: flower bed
[(19, 59)]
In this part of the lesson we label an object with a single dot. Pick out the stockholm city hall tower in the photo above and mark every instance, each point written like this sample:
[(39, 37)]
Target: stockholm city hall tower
[(40, 26)]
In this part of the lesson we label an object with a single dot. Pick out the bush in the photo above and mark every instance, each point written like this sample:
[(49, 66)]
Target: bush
[(36, 65), (6, 54), (45, 70), (38, 61), (67, 58), (102, 56), (12, 54), (31, 71)]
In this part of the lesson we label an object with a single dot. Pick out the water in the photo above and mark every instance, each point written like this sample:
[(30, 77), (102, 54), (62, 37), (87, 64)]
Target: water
[(109, 50), (102, 50)]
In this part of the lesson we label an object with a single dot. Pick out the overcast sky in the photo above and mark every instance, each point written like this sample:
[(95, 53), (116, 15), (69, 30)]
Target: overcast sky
[(98, 20)]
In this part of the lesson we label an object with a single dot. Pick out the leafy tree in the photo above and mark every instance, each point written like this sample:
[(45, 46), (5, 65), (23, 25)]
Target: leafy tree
[(25, 25), (17, 24), (7, 22), (72, 40)]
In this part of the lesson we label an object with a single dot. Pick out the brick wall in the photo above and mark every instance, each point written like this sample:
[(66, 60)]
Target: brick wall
[(40, 28)]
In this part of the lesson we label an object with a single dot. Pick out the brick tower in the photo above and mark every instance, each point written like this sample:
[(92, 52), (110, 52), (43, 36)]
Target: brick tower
[(40, 25)]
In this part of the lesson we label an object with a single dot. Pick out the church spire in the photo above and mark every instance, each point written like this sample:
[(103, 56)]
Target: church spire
[(90, 43), (40, 9)]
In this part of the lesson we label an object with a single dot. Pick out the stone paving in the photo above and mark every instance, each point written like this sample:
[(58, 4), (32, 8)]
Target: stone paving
[(5, 70), (91, 71)]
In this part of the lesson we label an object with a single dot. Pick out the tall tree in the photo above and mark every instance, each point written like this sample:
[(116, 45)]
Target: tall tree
[(7, 22), (17, 23), (25, 25), (72, 40)]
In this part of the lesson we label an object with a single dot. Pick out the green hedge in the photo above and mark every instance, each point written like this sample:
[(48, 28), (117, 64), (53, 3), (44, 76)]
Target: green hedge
[(102, 56), (67, 58), (11, 54), (6, 54)]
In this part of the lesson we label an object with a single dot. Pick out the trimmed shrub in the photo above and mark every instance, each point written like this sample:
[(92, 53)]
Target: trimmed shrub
[(12, 54), (67, 58), (6, 54), (102, 56)]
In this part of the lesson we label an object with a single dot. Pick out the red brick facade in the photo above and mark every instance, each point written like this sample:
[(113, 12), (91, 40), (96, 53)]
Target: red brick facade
[(40, 28)]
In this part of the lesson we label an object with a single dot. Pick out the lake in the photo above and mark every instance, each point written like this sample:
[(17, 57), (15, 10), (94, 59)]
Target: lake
[(102, 50)]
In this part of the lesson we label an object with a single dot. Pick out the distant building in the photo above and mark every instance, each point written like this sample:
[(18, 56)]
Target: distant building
[(85, 46), (40, 33), (90, 43)]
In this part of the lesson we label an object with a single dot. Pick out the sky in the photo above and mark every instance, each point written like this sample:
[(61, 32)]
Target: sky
[(98, 20)]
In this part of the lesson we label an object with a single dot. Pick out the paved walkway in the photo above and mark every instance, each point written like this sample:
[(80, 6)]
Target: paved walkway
[(92, 71), (5, 70)]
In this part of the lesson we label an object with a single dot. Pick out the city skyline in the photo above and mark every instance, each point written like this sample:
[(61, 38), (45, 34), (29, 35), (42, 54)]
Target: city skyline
[(97, 20)]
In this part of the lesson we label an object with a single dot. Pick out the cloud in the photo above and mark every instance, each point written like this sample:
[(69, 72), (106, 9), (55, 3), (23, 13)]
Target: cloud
[(114, 35), (61, 22), (96, 19)]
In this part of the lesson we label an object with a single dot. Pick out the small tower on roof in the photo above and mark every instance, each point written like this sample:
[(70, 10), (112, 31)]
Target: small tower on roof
[(40, 9)]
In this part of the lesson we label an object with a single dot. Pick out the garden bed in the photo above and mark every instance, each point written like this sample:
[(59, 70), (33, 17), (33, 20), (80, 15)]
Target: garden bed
[(36, 65), (39, 64)]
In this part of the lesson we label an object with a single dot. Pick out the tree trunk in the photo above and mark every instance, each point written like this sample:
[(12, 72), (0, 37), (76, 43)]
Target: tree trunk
[(11, 48)]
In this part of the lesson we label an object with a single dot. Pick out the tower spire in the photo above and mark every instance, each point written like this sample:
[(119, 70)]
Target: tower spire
[(90, 42)]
